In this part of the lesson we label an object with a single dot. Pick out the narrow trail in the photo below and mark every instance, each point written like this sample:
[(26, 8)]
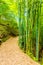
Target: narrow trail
[(11, 54)]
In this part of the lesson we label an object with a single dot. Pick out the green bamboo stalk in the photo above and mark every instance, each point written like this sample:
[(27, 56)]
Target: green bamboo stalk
[(33, 23), (23, 24), (28, 26), (19, 15), (37, 30)]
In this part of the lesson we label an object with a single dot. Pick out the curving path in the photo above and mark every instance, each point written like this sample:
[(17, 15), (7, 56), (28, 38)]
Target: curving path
[(11, 54)]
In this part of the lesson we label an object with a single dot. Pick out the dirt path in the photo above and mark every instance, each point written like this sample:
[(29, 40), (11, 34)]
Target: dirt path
[(10, 54)]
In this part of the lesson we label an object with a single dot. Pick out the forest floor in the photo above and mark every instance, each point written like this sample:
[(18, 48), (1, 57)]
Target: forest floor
[(11, 54)]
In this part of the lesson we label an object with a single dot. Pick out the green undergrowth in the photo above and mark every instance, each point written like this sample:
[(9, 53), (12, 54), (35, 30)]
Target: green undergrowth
[(6, 31)]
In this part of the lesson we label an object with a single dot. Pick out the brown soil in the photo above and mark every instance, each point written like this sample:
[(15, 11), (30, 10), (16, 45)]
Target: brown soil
[(11, 54)]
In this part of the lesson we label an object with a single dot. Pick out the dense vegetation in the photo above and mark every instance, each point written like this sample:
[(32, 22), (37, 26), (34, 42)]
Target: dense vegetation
[(8, 23), (31, 28)]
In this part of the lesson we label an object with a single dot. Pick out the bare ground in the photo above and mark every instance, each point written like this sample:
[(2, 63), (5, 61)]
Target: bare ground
[(11, 54)]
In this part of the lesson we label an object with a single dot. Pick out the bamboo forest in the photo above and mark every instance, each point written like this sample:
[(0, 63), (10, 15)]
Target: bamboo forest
[(21, 22)]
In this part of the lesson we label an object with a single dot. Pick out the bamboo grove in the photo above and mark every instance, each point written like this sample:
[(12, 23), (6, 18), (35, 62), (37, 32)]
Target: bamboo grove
[(30, 20)]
